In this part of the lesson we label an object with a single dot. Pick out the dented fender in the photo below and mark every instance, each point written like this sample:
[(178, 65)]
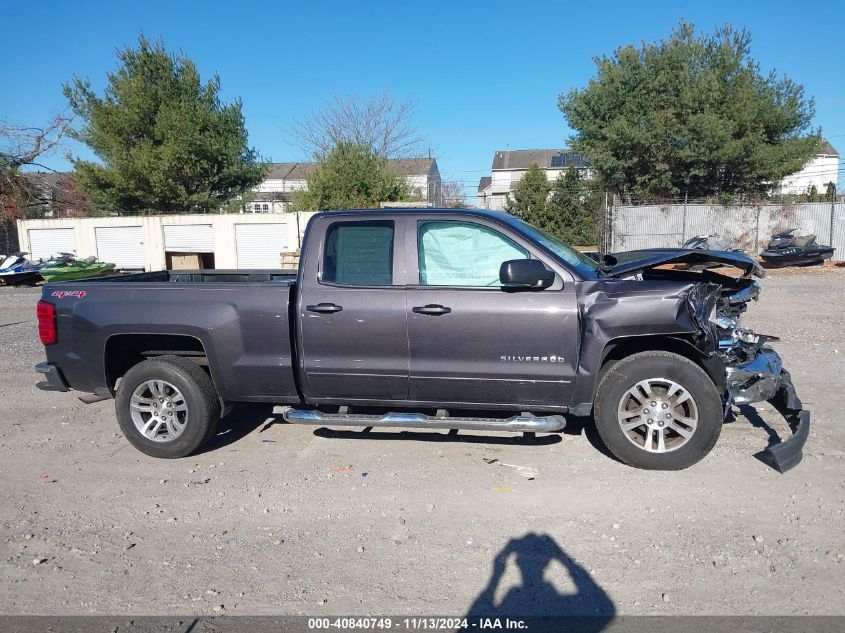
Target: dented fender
[(617, 311)]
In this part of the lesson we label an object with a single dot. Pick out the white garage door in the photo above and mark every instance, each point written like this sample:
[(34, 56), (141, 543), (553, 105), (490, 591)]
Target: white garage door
[(121, 245), (260, 245), (188, 238), (45, 243)]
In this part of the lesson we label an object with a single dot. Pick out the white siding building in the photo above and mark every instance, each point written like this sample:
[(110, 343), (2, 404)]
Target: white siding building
[(819, 172), (274, 194), (510, 166), (423, 177)]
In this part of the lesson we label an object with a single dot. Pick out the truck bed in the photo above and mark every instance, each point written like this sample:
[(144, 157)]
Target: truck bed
[(239, 319), (200, 276)]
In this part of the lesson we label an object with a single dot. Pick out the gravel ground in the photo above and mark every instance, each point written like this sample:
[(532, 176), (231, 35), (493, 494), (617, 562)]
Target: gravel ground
[(277, 519)]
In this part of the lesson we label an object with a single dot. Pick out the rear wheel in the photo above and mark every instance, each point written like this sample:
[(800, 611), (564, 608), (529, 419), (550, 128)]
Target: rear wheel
[(658, 411), (167, 407)]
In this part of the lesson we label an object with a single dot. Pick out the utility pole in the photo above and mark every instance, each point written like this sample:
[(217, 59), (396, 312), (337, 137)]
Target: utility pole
[(832, 218)]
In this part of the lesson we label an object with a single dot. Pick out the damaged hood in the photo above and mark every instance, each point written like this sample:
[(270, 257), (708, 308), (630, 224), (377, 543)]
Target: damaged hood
[(631, 262)]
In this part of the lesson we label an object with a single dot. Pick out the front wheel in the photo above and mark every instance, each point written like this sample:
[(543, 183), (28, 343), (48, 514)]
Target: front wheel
[(167, 407), (658, 411)]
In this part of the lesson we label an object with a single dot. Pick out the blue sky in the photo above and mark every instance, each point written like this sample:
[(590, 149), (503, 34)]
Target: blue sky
[(485, 75)]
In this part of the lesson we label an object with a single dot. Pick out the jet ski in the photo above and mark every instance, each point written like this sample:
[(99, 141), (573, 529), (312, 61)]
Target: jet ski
[(16, 269), (706, 243), (66, 267), (787, 249)]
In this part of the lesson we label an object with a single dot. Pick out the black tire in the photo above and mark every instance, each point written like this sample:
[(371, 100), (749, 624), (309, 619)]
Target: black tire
[(624, 375), (203, 405)]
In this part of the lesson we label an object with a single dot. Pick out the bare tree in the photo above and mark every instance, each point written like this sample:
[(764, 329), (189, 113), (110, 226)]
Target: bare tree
[(453, 195), (380, 123), (21, 147)]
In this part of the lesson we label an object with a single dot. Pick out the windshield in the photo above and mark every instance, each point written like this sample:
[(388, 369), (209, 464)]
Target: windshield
[(584, 265), (11, 259)]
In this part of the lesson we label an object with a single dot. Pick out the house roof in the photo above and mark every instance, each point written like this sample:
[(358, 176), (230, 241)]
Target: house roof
[(300, 171), (412, 166), (48, 178), (289, 171), (828, 149), (524, 158), (485, 182)]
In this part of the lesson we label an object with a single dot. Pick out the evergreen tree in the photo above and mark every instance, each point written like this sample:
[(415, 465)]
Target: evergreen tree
[(573, 209), (830, 192), (350, 176), (691, 115), (530, 195), (568, 209), (166, 143)]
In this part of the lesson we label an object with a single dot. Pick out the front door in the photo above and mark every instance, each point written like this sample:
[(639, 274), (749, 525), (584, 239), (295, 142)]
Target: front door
[(352, 313), (473, 342)]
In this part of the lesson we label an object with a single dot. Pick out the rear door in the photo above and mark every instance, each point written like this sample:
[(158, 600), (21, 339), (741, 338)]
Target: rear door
[(473, 342), (352, 312)]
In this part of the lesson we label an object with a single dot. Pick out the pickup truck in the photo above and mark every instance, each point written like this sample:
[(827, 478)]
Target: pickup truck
[(430, 319)]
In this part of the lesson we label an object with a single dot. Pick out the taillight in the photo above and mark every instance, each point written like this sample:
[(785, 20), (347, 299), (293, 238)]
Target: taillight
[(46, 322)]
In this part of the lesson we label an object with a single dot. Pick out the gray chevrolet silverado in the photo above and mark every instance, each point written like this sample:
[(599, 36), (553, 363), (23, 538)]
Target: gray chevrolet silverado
[(430, 319)]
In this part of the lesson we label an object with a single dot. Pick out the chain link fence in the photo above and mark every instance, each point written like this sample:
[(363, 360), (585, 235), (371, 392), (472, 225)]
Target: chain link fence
[(747, 227), (8, 238)]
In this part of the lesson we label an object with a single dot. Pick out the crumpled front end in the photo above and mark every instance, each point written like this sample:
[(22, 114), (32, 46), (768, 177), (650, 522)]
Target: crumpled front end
[(709, 311), (755, 373)]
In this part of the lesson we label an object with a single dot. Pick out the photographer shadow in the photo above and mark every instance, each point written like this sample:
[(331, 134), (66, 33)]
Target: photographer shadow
[(587, 610)]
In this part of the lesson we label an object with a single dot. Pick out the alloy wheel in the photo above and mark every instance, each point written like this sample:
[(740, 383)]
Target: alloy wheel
[(158, 410), (658, 415)]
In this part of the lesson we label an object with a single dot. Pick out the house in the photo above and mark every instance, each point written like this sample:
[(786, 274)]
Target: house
[(484, 186), (423, 177), (510, 166), (55, 195), (274, 193), (822, 170)]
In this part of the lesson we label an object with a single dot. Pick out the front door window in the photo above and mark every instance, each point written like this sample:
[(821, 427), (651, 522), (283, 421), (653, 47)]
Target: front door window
[(463, 254)]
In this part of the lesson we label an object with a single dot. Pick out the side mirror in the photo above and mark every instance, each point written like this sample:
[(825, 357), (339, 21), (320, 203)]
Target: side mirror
[(525, 273)]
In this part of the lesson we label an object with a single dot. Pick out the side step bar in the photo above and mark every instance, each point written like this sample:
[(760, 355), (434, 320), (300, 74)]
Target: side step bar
[(517, 424)]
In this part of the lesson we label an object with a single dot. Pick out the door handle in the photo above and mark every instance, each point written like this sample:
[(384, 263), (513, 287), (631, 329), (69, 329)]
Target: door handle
[(325, 308), (431, 308)]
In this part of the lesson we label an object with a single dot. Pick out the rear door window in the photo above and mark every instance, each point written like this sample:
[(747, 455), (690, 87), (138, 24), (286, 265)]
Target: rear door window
[(359, 253)]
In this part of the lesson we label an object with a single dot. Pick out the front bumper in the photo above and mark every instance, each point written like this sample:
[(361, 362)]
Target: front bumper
[(764, 379), (54, 381)]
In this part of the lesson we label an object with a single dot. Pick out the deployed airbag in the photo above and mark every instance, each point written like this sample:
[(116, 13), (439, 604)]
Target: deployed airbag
[(463, 254)]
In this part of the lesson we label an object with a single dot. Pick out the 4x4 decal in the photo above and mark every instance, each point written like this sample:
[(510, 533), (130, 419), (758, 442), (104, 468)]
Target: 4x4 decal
[(61, 294)]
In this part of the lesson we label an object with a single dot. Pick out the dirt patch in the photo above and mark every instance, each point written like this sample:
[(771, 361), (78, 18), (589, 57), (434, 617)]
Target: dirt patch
[(277, 519)]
